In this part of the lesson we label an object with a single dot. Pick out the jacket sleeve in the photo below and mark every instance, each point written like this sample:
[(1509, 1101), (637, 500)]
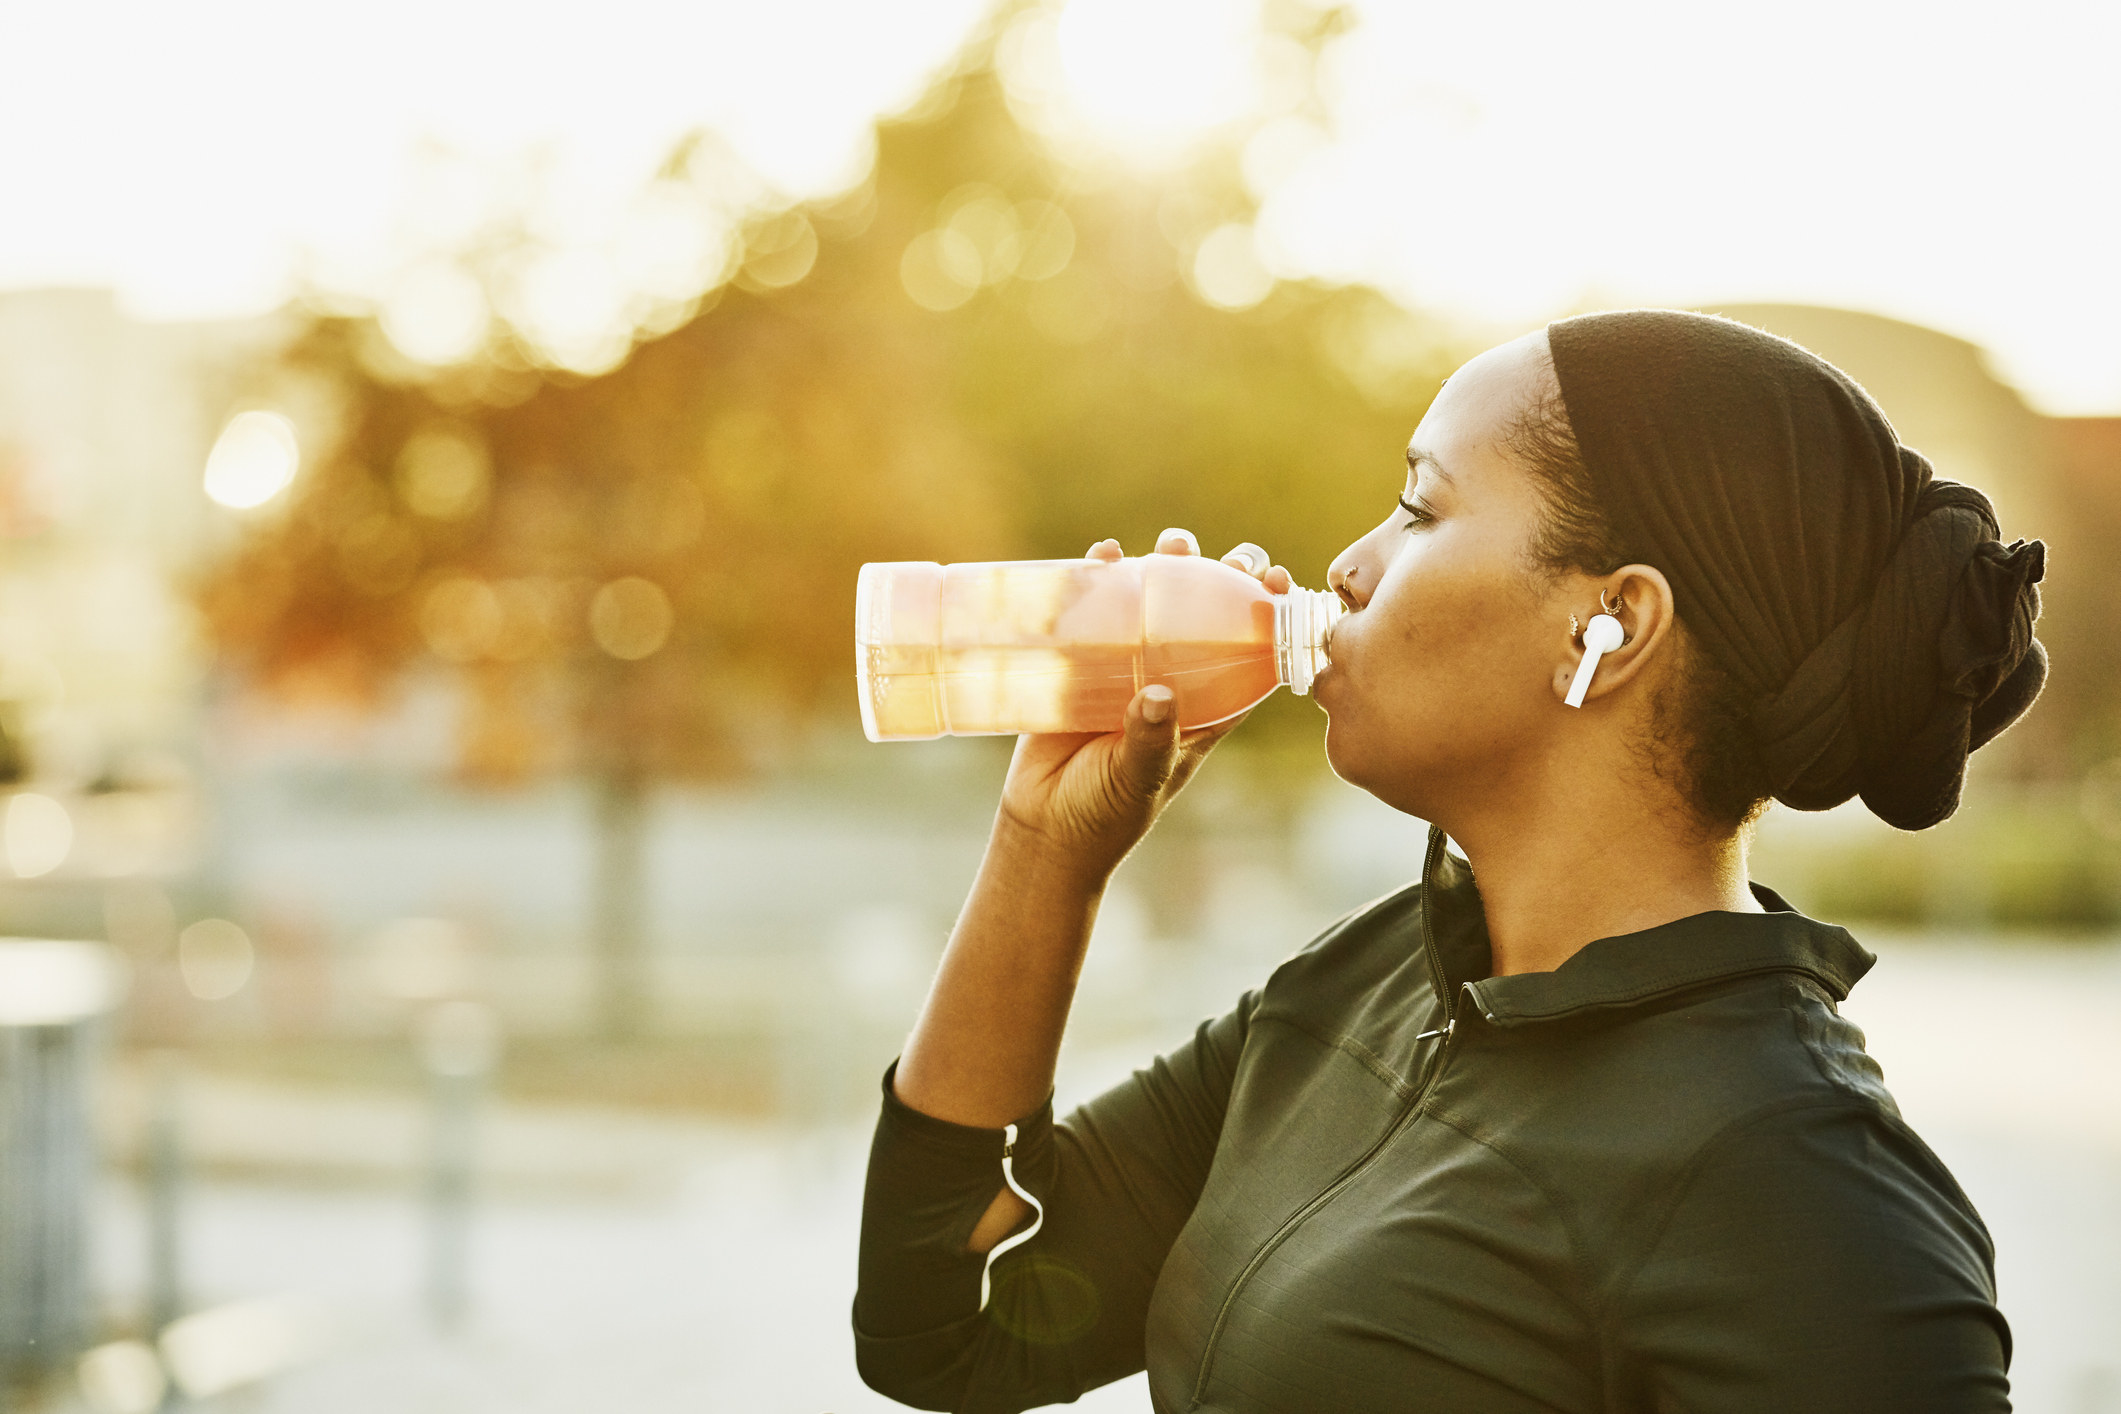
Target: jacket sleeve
[(1818, 1258), (1118, 1178)]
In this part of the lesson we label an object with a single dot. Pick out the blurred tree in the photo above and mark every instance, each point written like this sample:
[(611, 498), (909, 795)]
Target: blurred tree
[(646, 574)]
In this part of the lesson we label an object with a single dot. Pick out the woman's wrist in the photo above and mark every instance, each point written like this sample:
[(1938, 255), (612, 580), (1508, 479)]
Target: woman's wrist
[(1036, 858)]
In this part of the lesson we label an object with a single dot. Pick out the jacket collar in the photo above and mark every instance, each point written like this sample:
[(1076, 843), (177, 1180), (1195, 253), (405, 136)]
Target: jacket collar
[(1631, 968)]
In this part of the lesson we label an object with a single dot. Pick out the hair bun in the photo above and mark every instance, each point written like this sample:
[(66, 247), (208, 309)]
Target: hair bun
[(1939, 661), (1872, 628)]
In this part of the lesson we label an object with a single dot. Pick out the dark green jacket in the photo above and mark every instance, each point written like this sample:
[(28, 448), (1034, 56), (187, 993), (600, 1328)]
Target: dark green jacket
[(1664, 1176)]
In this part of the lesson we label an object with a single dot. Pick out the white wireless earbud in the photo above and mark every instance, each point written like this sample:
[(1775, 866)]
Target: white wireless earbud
[(1601, 636)]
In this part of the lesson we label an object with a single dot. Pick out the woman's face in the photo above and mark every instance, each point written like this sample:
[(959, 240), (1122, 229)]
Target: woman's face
[(1441, 674)]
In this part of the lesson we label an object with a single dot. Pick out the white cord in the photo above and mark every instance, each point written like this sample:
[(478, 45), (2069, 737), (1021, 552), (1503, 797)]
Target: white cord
[(1008, 1243)]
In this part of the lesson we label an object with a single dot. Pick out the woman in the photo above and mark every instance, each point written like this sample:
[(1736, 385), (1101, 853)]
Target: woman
[(1573, 1126)]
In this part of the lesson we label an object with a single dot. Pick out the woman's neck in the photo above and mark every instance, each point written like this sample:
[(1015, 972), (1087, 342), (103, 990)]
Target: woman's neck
[(1620, 862)]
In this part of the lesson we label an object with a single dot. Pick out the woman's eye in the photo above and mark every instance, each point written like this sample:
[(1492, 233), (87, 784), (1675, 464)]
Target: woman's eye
[(1418, 514)]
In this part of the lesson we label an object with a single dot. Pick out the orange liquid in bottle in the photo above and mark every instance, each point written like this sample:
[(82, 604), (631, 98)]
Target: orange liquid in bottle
[(1063, 645)]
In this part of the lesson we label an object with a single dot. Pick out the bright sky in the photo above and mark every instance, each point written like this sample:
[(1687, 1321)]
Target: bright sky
[(1942, 163)]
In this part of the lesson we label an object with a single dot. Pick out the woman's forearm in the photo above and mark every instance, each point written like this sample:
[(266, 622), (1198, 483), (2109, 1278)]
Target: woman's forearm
[(982, 1051)]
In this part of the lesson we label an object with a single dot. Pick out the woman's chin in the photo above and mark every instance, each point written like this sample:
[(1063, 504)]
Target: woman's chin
[(1351, 749), (1339, 753)]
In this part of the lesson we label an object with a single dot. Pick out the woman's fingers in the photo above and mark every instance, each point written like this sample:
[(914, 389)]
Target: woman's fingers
[(1194, 744), (1179, 541), (1149, 752), (1255, 562)]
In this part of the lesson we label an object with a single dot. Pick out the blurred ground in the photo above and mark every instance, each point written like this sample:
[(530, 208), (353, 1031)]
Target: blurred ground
[(628, 1259)]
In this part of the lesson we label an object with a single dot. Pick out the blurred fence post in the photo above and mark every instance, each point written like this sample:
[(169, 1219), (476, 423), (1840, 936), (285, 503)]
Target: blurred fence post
[(458, 1044), (617, 902), (52, 997), (164, 1164)]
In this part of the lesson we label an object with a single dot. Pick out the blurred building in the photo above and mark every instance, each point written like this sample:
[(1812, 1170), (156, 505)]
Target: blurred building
[(2087, 453), (104, 423)]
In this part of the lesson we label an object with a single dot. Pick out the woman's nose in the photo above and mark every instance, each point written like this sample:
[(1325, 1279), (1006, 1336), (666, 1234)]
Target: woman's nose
[(1338, 576)]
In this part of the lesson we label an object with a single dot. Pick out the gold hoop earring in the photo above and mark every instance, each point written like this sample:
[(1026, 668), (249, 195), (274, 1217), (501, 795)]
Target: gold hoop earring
[(1613, 609)]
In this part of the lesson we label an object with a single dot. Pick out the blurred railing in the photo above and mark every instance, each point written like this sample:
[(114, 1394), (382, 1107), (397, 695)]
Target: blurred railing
[(53, 997)]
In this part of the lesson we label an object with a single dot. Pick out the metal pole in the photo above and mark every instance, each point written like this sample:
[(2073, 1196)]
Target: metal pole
[(458, 1044), (455, 1099), (164, 1156)]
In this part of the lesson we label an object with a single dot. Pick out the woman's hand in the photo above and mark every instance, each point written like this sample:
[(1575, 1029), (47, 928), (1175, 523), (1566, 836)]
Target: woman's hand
[(1087, 797), (983, 1049)]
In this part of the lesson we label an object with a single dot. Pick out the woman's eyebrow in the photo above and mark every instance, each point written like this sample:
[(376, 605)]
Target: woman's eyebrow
[(1417, 459)]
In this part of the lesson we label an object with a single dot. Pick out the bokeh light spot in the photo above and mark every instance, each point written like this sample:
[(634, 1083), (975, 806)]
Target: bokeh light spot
[(443, 473), (39, 834), (421, 960), (941, 269), (984, 217), (780, 252), (527, 619), (460, 618), (1153, 77), (436, 313), (254, 459), (48, 982), (673, 247), (220, 1349), (1278, 151), (571, 305), (122, 1377), (215, 958), (1045, 241), (630, 618), (1227, 270)]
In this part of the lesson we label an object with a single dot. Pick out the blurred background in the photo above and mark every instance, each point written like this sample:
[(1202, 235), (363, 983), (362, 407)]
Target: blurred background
[(436, 449)]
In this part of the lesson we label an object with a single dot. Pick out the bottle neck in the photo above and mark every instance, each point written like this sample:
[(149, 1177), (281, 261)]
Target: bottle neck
[(1303, 626)]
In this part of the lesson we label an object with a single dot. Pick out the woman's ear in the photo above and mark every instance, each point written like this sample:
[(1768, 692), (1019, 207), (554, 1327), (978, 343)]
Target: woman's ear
[(1641, 598)]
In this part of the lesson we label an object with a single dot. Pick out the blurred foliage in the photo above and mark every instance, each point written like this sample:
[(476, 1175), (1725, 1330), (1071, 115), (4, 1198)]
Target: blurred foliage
[(650, 572), (2024, 857)]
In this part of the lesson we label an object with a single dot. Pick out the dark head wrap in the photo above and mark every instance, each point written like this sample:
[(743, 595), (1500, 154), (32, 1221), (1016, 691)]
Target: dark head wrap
[(1865, 605)]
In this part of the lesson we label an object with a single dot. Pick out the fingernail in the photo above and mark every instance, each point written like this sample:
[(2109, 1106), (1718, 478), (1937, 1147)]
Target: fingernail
[(1156, 705), (1256, 559), (1185, 535)]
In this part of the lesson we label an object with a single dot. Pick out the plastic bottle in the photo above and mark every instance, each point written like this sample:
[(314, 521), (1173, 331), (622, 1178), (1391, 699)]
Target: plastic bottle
[(1063, 645)]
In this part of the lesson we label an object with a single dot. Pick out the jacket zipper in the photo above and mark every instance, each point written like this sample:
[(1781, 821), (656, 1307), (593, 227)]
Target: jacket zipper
[(1354, 1170)]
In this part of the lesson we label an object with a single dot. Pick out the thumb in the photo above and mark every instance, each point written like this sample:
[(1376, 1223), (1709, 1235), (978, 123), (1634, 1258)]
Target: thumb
[(1149, 752)]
